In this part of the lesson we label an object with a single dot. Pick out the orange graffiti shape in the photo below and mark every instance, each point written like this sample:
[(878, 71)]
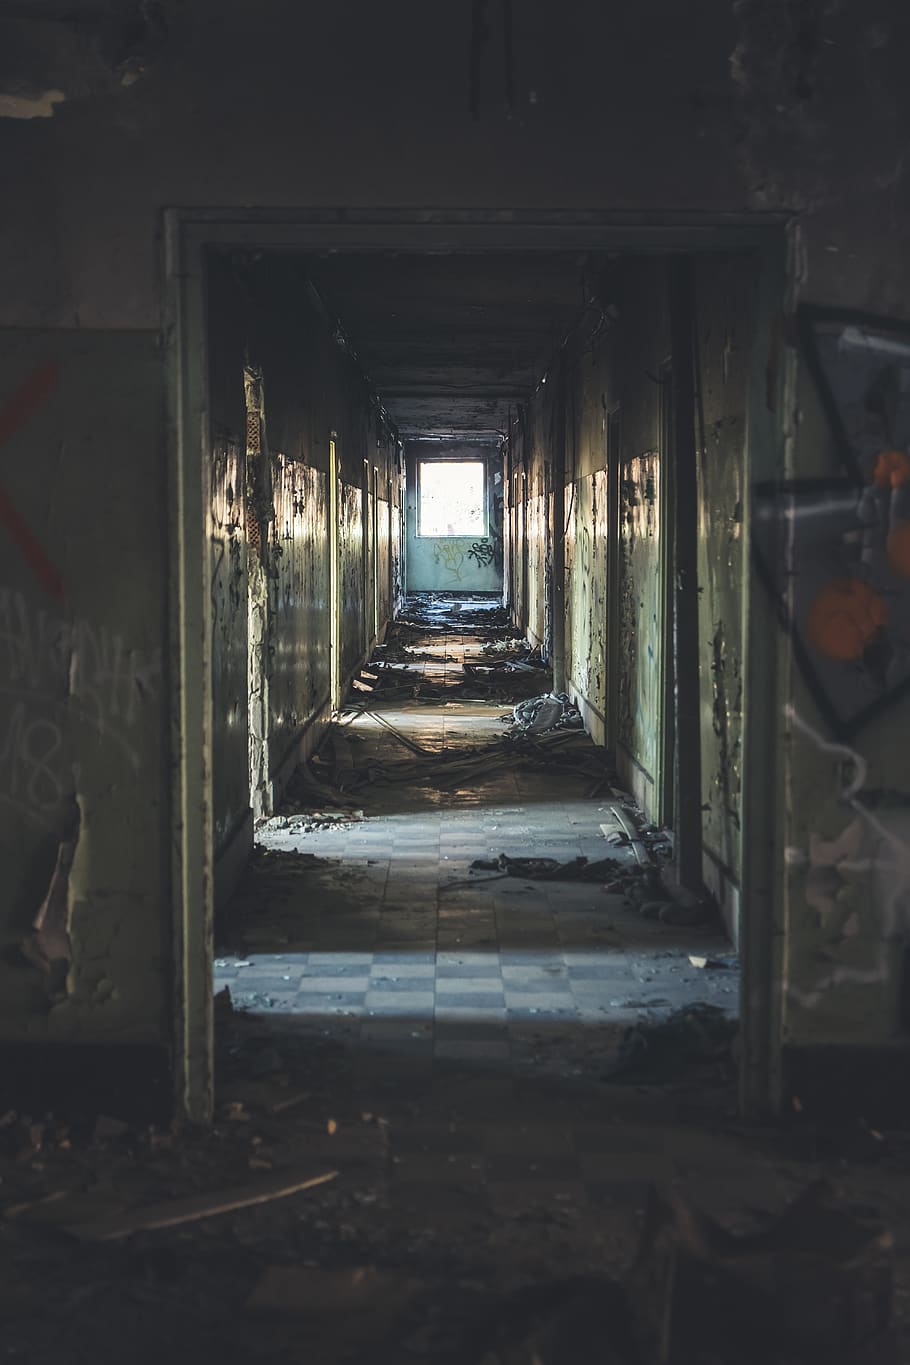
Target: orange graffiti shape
[(898, 548), (892, 468), (845, 618)]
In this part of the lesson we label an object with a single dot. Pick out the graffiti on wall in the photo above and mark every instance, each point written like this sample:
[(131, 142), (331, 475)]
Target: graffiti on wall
[(58, 674), (835, 551), (497, 521), (450, 557), (857, 883), (482, 552)]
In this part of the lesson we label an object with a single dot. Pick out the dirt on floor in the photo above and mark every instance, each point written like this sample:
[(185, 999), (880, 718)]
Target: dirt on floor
[(476, 1097)]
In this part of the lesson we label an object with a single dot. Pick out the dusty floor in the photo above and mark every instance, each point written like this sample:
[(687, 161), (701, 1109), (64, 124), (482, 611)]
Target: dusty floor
[(392, 942), (449, 1045)]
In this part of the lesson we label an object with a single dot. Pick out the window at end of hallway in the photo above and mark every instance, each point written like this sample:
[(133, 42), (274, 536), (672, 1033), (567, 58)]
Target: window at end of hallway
[(451, 498)]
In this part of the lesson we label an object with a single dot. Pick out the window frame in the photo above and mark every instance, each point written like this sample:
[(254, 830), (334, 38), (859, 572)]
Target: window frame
[(482, 534)]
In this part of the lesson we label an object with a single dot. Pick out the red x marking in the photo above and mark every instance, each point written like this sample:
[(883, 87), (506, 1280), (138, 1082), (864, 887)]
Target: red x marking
[(14, 412)]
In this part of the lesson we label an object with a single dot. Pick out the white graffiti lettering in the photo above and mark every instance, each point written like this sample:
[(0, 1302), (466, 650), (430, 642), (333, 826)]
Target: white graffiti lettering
[(62, 677)]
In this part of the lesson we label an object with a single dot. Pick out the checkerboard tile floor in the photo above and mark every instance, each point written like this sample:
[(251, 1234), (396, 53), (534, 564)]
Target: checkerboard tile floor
[(395, 944)]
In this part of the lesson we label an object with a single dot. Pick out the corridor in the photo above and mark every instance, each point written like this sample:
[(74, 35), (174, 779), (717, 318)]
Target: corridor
[(454, 683), (380, 932)]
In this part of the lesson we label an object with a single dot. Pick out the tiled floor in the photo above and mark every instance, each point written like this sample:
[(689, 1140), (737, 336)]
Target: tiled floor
[(393, 942), (443, 1037)]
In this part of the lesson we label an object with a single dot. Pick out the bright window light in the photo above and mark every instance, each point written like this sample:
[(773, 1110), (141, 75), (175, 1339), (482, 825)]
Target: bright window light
[(451, 498)]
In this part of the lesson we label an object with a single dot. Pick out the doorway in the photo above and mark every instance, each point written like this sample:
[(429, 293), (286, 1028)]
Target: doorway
[(190, 239)]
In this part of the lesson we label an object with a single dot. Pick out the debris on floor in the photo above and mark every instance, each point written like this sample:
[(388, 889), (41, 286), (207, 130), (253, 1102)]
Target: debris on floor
[(651, 1052), (549, 869), (310, 1289), (813, 1284), (443, 1054), (541, 714), (192, 1209), (557, 1323), (306, 821), (702, 962)]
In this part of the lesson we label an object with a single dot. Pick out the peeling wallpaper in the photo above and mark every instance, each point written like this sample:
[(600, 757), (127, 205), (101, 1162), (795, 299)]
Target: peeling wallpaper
[(725, 291), (351, 577), (641, 632), (587, 596), (623, 374), (229, 569), (299, 584)]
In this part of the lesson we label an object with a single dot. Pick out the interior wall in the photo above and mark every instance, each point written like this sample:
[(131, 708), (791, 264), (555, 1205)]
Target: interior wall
[(725, 296), (643, 487), (261, 312), (625, 365), (455, 563), (84, 946)]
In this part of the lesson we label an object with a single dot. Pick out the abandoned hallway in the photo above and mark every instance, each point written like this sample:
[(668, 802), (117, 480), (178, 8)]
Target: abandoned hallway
[(454, 679), (377, 929)]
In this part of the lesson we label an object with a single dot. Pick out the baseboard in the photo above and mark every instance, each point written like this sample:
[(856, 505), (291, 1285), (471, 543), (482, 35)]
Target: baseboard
[(231, 860), (304, 745), (594, 721), (635, 779), (132, 1081), (724, 889), (848, 1081)]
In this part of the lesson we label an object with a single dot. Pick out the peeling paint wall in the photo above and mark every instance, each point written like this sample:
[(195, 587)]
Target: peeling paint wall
[(311, 388), (641, 624), (350, 577), (299, 599), (625, 366), (725, 305), (230, 588)]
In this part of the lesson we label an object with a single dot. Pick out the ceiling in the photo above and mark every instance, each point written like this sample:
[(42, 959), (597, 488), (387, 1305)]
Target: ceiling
[(453, 342)]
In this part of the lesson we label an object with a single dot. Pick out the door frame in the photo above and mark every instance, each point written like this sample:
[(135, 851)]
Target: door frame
[(187, 234), (667, 765), (333, 491)]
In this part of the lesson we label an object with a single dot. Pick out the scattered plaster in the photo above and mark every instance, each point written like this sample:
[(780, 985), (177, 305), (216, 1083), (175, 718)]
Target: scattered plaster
[(31, 106)]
